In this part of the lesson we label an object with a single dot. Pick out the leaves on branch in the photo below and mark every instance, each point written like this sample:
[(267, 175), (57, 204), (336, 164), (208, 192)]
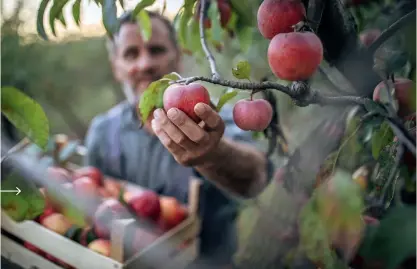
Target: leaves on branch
[(141, 5), (55, 12), (381, 137), (333, 216), (193, 41), (109, 11), (242, 70), (145, 25), (185, 15), (216, 28), (153, 96), (39, 20), (245, 35), (394, 240), (76, 8), (26, 115), (226, 97)]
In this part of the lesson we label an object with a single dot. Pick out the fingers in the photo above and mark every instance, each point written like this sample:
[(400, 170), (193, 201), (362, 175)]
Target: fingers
[(176, 135), (187, 126), (209, 116), (173, 147)]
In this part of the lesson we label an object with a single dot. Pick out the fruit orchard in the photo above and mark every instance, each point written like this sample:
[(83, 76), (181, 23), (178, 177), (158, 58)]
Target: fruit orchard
[(349, 189)]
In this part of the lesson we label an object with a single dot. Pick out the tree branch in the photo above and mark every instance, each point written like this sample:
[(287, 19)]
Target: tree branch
[(315, 12), (209, 55), (299, 91), (390, 31)]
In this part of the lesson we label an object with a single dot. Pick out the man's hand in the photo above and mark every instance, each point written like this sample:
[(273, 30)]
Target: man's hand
[(191, 144)]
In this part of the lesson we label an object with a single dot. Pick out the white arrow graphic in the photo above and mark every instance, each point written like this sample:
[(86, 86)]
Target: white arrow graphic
[(17, 191)]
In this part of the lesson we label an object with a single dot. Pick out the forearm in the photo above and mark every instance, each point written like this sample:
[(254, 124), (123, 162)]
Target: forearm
[(236, 167)]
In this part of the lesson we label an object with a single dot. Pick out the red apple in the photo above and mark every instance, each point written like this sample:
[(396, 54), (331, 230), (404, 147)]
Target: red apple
[(368, 37), (172, 213), (106, 212), (101, 246), (91, 172), (404, 93), (185, 97), (295, 56), (252, 115), (85, 186), (56, 222), (113, 187), (49, 210), (278, 16), (146, 205), (128, 195)]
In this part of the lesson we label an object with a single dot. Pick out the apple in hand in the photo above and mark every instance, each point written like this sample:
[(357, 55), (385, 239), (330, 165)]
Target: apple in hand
[(252, 115), (91, 172), (101, 246), (185, 97), (146, 205), (172, 213)]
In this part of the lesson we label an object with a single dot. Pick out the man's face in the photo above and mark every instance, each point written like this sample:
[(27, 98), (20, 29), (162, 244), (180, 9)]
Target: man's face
[(137, 63)]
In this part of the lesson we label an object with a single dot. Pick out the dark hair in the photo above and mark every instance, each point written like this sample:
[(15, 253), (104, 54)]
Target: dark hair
[(127, 17)]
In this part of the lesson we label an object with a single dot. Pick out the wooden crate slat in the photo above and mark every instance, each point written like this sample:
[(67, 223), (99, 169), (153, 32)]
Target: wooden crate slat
[(22, 256), (58, 245)]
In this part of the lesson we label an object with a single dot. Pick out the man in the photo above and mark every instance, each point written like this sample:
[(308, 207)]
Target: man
[(170, 147)]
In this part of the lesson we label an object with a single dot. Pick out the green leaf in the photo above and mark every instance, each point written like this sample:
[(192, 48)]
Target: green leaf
[(244, 35), (372, 106), (39, 20), (76, 8), (381, 138), (216, 28), (109, 11), (193, 42), (152, 97), (173, 76), (145, 24), (231, 25), (26, 115), (242, 70), (395, 238), (141, 5), (225, 98), (28, 204), (56, 9), (122, 4), (62, 19), (184, 17)]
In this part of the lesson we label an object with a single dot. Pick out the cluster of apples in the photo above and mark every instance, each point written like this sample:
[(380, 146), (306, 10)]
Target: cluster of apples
[(165, 212)]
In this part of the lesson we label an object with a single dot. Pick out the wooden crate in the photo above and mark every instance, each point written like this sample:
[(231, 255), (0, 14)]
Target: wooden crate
[(166, 252)]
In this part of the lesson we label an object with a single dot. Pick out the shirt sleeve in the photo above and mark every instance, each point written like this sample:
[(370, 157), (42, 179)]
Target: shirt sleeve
[(94, 138)]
